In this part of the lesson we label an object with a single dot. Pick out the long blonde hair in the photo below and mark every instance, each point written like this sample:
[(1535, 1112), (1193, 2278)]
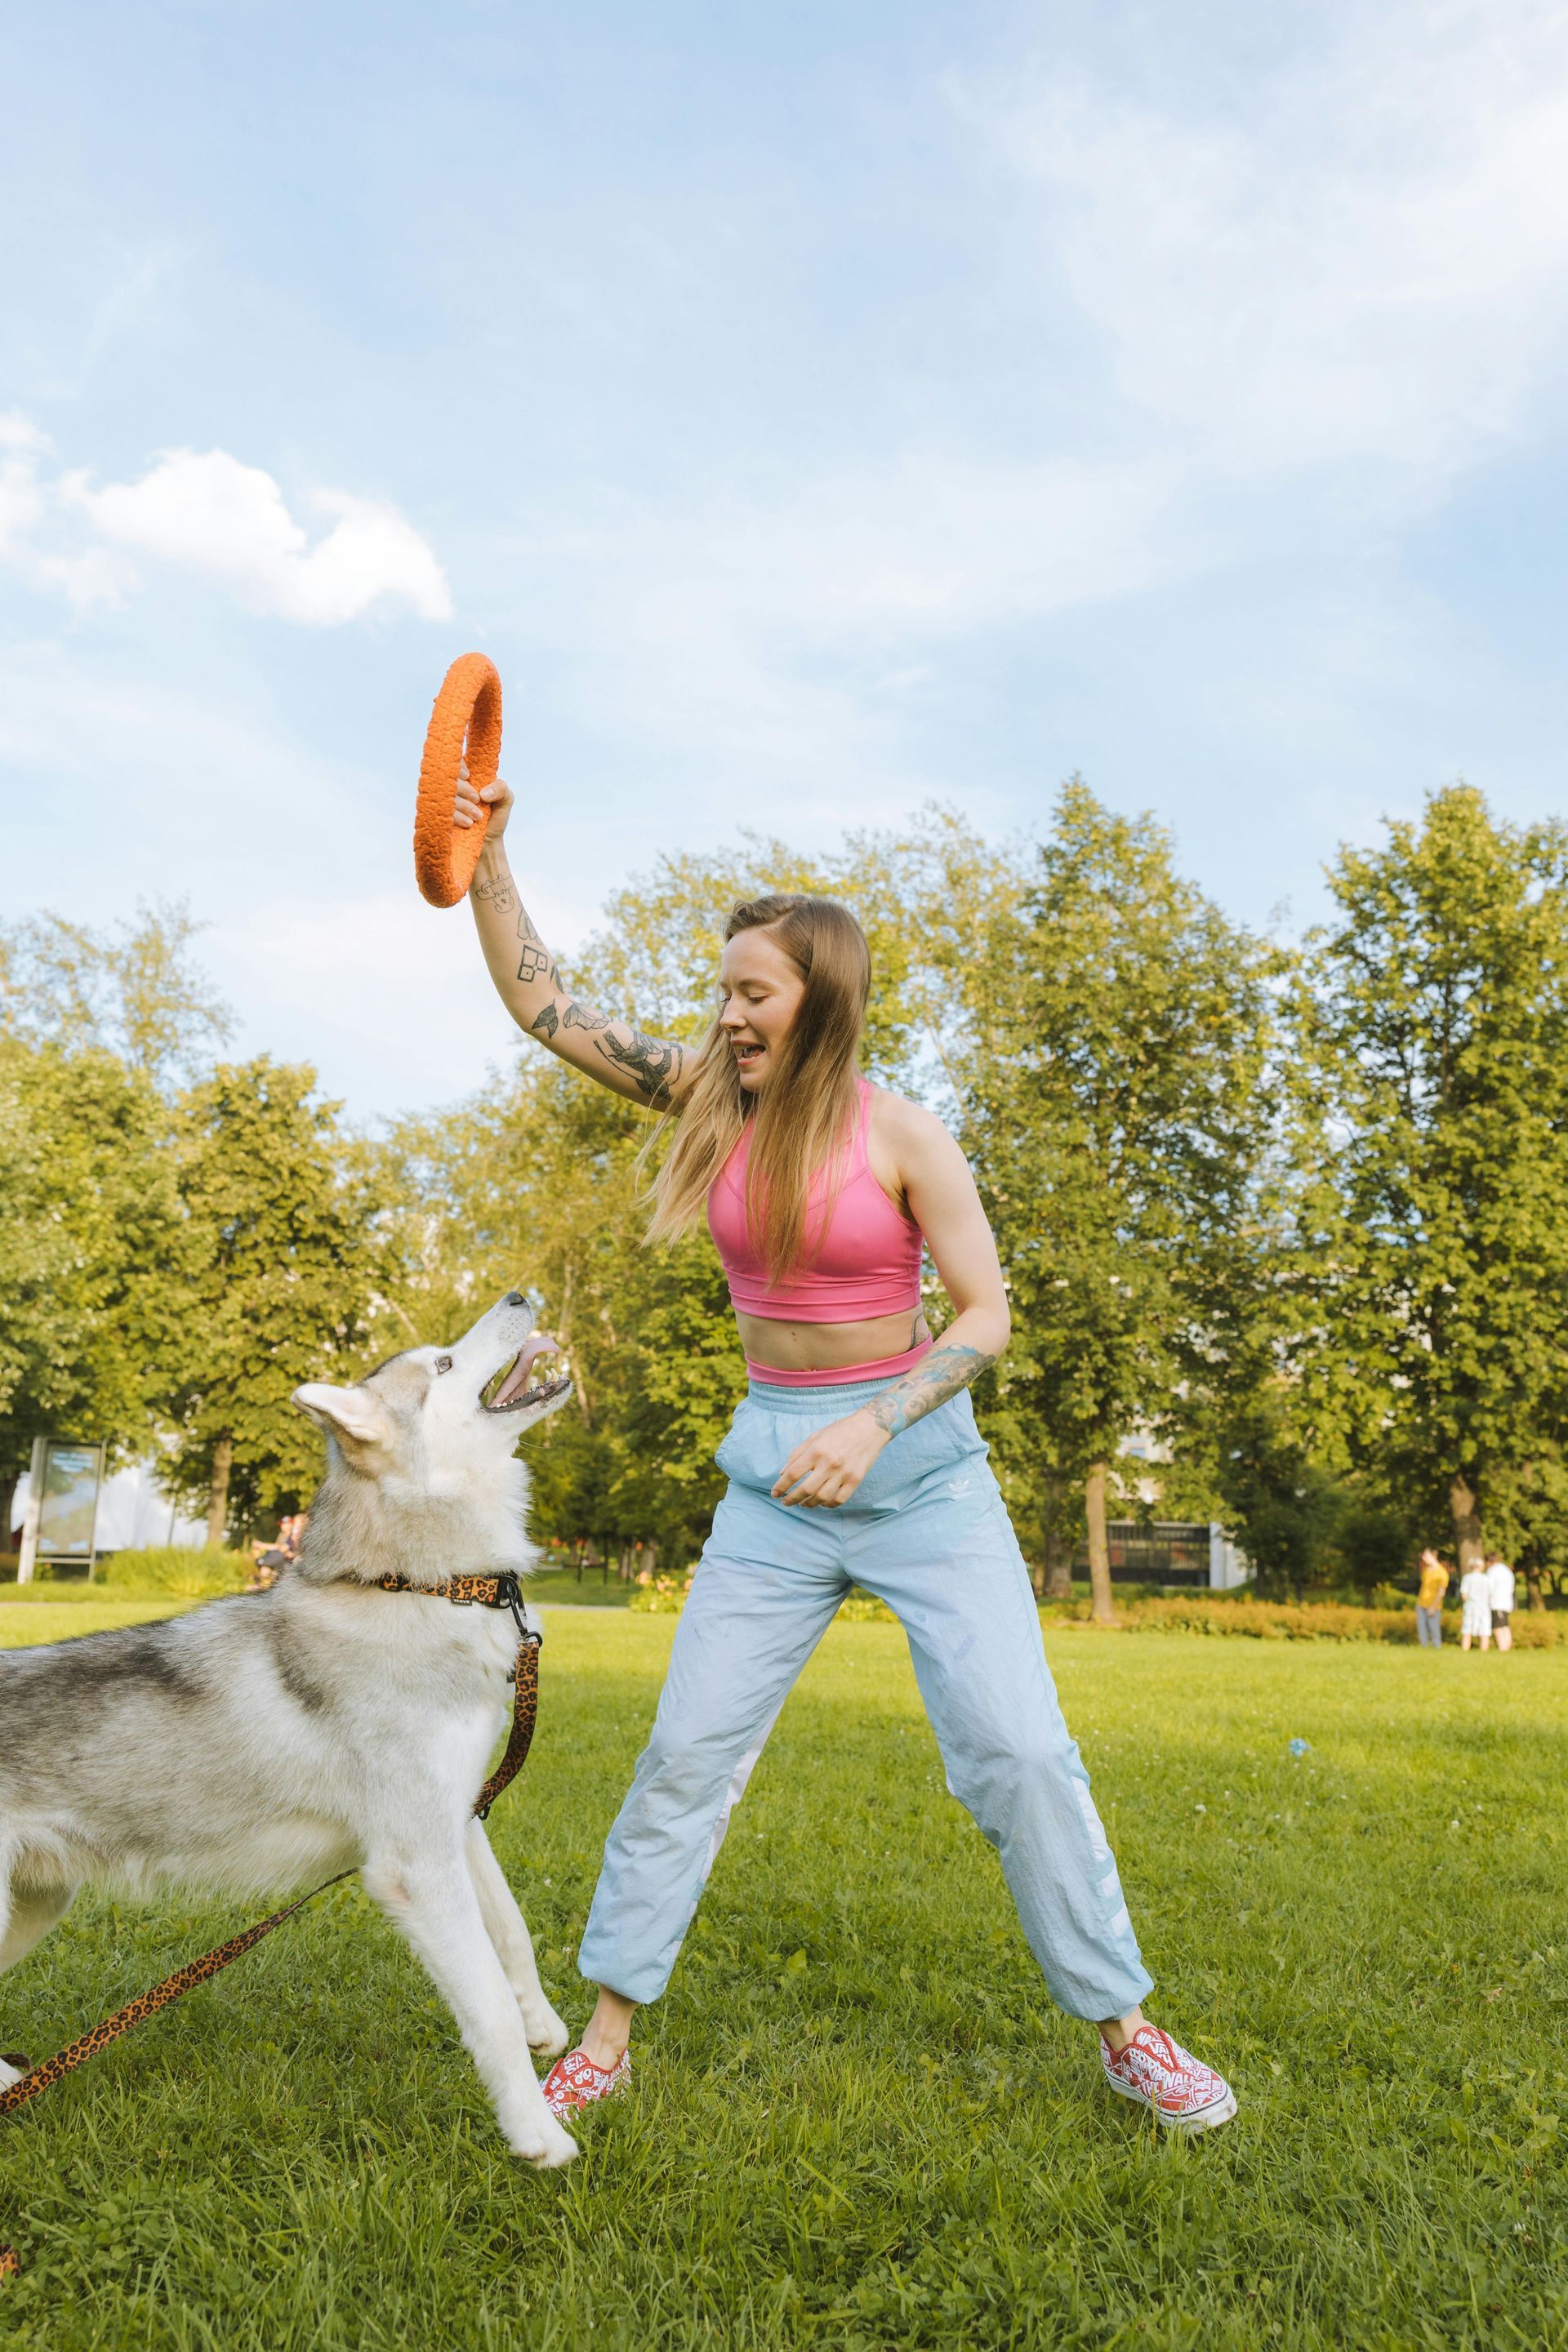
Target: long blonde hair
[(802, 1118)]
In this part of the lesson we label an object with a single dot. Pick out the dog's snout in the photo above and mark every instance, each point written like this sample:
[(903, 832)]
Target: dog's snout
[(515, 1298)]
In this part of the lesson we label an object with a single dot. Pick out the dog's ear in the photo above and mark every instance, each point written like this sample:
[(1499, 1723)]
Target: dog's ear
[(355, 1417)]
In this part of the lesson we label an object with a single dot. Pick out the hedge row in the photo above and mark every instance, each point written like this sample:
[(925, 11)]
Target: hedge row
[(1285, 1621)]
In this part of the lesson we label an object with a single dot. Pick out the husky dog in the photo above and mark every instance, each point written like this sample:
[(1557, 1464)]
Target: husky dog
[(266, 1741)]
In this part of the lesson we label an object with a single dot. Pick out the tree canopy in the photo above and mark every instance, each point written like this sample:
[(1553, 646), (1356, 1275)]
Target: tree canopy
[(1285, 1236)]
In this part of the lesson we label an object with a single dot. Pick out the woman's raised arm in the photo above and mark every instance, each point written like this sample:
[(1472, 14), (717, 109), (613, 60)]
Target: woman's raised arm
[(652, 1070)]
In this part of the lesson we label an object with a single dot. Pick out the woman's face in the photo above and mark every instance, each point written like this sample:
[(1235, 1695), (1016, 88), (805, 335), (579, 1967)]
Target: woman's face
[(760, 991)]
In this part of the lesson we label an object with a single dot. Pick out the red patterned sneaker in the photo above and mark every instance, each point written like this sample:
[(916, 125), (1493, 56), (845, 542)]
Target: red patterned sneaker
[(576, 2081), (1175, 2087)]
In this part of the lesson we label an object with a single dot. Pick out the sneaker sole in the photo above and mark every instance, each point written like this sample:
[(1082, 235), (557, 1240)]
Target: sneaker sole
[(1199, 2120)]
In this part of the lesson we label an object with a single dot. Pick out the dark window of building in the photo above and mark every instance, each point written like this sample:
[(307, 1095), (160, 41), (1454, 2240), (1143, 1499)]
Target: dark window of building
[(1159, 1551)]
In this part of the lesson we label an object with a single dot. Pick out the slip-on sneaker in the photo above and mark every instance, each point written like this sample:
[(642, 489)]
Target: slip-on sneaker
[(1158, 2073), (576, 2081)]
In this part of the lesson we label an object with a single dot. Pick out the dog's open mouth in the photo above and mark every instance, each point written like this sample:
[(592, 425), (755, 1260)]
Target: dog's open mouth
[(513, 1386)]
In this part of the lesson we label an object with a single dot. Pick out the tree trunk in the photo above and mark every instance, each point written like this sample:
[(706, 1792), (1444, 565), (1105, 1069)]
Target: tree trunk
[(1533, 1589), (1099, 1545), (1058, 1580), (217, 1492), (1462, 1500), (8, 1504)]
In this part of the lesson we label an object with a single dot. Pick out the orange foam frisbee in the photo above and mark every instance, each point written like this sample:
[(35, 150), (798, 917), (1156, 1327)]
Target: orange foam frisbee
[(467, 710)]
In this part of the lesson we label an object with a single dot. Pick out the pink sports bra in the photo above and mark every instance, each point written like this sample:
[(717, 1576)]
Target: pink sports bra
[(868, 1261)]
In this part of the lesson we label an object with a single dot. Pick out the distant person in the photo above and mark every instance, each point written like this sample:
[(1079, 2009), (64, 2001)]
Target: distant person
[(1476, 1619), (1499, 1600), (1429, 1602), (266, 1560)]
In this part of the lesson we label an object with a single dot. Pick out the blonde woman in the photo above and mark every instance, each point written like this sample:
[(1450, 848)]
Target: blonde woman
[(853, 1459)]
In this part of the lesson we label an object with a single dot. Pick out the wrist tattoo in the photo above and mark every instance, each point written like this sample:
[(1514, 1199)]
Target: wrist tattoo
[(944, 1371)]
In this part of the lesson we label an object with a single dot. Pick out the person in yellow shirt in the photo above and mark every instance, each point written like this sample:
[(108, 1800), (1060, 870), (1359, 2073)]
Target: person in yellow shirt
[(1429, 1602)]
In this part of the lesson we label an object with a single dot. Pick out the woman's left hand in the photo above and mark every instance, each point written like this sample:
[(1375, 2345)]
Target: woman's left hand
[(826, 1469)]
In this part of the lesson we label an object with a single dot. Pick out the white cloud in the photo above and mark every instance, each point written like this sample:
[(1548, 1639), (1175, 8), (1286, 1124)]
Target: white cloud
[(87, 575), (1366, 272), (19, 431), (213, 516)]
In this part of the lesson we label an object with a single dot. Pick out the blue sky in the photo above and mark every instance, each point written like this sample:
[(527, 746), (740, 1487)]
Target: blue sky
[(812, 410)]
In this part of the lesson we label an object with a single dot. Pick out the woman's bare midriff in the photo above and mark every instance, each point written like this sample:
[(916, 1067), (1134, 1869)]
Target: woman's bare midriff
[(829, 1346)]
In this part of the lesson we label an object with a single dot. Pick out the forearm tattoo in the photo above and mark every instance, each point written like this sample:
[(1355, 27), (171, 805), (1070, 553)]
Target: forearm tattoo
[(653, 1063), (535, 964), (498, 893), (941, 1375)]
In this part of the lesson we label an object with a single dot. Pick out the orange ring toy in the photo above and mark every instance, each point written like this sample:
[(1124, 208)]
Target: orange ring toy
[(468, 709)]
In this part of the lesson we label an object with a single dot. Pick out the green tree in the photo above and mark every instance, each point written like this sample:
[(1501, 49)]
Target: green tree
[(285, 1262), (132, 991), (1431, 1092), (91, 1239), (1117, 1110)]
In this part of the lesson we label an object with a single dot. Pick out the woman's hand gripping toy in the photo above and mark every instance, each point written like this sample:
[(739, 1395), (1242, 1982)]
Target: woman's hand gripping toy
[(466, 713)]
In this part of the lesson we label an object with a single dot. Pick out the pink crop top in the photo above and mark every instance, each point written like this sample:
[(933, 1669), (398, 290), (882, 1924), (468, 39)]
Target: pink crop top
[(869, 1261)]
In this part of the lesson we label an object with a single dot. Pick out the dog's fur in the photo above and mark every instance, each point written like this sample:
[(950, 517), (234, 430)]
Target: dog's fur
[(268, 1740)]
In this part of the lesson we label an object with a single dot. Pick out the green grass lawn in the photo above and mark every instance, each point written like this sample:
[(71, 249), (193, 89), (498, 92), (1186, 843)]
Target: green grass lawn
[(856, 2120), (53, 1612)]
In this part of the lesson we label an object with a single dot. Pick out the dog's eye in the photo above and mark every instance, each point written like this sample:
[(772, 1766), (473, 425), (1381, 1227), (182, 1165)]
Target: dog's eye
[(443, 1363)]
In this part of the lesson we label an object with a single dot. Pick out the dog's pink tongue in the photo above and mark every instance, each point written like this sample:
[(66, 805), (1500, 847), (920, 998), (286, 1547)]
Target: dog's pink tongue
[(516, 1380)]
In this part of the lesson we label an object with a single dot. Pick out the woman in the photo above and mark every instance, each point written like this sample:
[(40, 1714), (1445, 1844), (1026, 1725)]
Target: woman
[(854, 1459), (1476, 1612)]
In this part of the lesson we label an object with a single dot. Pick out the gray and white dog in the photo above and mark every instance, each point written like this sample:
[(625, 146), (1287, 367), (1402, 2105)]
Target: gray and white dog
[(266, 1741)]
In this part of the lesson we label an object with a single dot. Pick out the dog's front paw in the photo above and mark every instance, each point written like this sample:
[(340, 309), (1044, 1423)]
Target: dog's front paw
[(546, 2034), (10, 2073), (547, 2149)]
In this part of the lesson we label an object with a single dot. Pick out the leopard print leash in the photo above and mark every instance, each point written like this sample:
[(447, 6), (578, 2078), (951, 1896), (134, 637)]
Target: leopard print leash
[(463, 1591)]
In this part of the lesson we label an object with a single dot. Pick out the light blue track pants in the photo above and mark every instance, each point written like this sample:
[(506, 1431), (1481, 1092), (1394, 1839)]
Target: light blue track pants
[(927, 1533)]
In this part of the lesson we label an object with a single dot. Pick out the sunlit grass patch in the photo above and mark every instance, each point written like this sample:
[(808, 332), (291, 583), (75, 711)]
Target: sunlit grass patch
[(856, 2120)]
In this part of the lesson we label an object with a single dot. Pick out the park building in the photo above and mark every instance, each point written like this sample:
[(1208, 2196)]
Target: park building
[(1191, 1555)]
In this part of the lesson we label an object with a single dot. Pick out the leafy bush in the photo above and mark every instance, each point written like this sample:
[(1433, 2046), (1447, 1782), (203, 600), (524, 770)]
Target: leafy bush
[(662, 1596), (1190, 1612), (166, 1568)]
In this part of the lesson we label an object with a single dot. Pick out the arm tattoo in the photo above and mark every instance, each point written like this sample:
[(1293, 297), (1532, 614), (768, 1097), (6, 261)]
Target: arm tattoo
[(546, 1024), (653, 1065), (944, 1371), (498, 894), (536, 964), (583, 1016)]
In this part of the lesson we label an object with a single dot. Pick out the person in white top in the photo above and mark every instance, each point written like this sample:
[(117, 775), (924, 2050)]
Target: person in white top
[(1477, 1617), (1499, 1600)]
